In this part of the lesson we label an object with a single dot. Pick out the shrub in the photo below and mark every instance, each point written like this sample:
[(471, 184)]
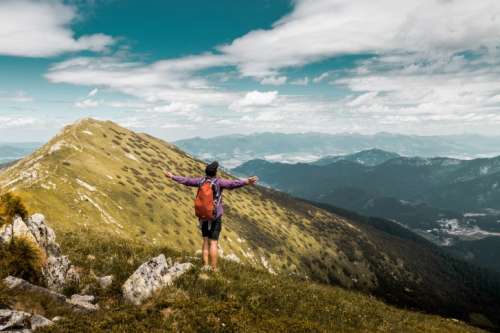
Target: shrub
[(21, 258), (10, 206)]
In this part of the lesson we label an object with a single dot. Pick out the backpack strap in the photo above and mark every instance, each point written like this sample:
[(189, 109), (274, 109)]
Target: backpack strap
[(216, 187)]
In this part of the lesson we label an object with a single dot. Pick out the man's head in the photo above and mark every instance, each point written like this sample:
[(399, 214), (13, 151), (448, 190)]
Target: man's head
[(211, 169)]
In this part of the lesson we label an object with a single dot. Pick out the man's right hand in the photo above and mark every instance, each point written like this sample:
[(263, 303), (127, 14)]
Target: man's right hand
[(168, 174), (252, 180)]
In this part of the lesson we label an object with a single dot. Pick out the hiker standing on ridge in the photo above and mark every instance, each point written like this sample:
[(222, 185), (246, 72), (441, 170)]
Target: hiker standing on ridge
[(208, 206)]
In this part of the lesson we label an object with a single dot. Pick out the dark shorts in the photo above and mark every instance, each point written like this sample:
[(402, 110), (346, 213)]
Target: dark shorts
[(214, 231)]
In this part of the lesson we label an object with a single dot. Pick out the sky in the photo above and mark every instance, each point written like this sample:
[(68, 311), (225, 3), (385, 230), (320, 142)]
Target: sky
[(179, 69)]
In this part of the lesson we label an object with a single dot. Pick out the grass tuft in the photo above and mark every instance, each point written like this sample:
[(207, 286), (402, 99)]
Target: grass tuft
[(23, 259), (10, 206)]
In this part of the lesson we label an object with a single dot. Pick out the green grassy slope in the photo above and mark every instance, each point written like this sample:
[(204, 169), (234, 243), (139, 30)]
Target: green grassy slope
[(98, 177), (239, 299)]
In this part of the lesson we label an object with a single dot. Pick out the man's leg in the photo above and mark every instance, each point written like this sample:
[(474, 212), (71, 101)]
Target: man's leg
[(213, 254), (205, 250)]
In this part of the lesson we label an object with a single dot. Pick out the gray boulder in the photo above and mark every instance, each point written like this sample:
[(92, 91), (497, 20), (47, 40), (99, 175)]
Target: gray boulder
[(20, 285), (152, 276), (77, 303), (44, 235), (19, 321), (58, 272), (11, 319), (38, 321)]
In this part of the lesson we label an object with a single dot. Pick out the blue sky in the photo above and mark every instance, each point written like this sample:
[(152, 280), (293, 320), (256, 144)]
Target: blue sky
[(204, 68)]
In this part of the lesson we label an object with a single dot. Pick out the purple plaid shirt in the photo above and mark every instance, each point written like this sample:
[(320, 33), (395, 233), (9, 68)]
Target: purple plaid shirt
[(222, 183)]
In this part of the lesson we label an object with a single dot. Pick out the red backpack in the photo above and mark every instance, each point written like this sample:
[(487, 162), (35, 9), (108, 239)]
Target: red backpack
[(207, 199)]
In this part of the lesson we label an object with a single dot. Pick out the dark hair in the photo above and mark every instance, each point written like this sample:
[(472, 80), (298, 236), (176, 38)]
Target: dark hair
[(211, 169)]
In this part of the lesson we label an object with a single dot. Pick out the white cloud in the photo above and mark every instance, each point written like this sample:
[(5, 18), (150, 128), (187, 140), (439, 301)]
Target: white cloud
[(159, 82), (301, 82), (416, 82), (254, 99), (16, 121), (87, 103), (321, 77), (93, 92), (31, 28), (19, 96), (179, 108), (317, 29), (274, 80)]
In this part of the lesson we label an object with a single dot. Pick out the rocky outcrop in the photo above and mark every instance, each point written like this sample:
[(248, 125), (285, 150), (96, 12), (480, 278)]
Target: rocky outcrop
[(58, 270), (19, 321), (152, 276)]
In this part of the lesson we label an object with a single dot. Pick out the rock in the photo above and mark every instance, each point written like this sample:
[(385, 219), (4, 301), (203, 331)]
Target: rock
[(20, 285), (21, 230), (44, 235), (19, 321), (58, 272), (11, 319), (57, 318), (38, 321), (17, 284), (105, 281), (86, 302), (151, 277), (6, 233)]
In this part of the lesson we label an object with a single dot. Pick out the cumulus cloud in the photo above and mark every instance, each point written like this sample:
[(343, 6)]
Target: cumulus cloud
[(254, 99), (317, 29), (162, 81), (33, 28)]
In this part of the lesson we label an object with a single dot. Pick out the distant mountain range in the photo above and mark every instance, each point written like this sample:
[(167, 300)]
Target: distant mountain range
[(447, 200), (15, 150), (233, 150)]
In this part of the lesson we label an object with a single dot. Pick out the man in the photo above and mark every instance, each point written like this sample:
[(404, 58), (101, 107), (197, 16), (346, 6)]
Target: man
[(211, 228)]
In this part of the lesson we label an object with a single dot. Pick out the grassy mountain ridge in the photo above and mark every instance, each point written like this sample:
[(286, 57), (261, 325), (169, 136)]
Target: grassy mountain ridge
[(369, 157), (98, 177)]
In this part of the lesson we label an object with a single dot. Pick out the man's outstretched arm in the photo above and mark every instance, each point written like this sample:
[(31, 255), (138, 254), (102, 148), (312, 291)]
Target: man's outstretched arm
[(230, 183), (188, 181)]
